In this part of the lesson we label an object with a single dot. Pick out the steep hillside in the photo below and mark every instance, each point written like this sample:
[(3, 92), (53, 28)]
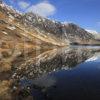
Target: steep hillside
[(14, 19), (65, 32), (43, 29)]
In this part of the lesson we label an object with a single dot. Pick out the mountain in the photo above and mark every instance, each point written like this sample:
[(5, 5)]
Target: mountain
[(65, 32), (15, 18), (39, 30)]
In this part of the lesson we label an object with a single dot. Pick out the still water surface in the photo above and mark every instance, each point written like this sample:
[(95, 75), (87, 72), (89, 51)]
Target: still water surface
[(65, 74)]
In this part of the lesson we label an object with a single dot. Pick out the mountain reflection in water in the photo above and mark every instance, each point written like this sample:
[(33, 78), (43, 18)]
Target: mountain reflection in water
[(62, 74), (53, 60)]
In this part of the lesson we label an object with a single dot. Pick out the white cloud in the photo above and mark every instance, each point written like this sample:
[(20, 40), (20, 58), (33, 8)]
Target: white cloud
[(43, 8), (23, 5)]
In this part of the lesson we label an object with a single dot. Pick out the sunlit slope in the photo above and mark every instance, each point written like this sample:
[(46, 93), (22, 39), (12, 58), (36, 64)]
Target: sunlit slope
[(13, 25)]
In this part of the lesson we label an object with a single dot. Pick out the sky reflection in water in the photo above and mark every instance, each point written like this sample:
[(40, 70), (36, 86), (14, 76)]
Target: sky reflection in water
[(79, 83)]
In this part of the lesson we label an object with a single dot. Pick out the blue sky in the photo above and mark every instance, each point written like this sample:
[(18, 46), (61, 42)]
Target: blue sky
[(85, 13)]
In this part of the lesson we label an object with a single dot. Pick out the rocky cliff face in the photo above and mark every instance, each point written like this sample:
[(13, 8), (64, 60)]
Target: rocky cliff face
[(65, 32), (15, 20)]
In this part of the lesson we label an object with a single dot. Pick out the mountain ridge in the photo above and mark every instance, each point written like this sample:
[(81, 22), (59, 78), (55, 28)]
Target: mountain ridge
[(50, 31)]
